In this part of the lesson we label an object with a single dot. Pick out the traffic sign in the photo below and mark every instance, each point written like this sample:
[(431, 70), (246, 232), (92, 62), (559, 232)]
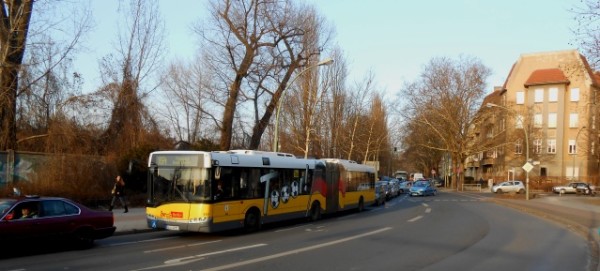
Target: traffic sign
[(528, 167)]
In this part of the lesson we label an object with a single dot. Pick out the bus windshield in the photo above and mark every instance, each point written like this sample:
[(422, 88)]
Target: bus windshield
[(186, 184)]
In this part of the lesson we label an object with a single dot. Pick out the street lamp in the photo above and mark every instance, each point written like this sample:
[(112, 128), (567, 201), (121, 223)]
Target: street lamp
[(575, 150), (526, 145), (327, 61)]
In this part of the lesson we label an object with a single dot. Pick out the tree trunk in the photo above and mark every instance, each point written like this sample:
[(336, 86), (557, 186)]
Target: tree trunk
[(13, 36)]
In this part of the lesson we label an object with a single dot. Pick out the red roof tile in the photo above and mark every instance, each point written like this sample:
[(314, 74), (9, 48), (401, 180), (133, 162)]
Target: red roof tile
[(546, 76)]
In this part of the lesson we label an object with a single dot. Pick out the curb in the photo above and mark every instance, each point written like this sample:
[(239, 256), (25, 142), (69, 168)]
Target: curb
[(133, 231)]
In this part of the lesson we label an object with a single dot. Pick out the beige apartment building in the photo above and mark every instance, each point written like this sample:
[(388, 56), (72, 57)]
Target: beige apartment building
[(546, 110)]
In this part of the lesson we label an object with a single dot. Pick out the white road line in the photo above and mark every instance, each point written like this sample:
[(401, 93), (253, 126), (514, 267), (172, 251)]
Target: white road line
[(186, 260), (415, 218), (425, 204), (295, 251), (142, 241), (184, 246), (293, 228), (428, 210)]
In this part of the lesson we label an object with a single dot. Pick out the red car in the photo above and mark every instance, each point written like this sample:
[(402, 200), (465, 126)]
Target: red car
[(43, 218)]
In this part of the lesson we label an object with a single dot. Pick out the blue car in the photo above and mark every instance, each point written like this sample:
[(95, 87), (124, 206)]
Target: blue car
[(422, 188)]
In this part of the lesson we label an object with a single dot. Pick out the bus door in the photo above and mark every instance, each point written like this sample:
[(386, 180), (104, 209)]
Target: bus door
[(332, 177), (271, 195)]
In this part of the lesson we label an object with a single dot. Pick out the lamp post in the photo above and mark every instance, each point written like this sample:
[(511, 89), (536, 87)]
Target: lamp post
[(526, 145), (575, 150), (327, 61)]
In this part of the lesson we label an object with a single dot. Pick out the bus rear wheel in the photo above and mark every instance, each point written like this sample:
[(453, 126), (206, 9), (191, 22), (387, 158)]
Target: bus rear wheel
[(252, 221), (361, 205), (315, 211)]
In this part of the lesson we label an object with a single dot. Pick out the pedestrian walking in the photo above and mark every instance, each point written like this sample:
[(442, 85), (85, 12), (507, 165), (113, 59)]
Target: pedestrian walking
[(118, 192)]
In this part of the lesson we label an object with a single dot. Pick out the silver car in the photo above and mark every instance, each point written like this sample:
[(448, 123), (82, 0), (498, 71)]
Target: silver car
[(509, 186), (572, 187)]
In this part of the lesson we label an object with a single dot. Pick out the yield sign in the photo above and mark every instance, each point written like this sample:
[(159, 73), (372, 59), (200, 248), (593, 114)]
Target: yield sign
[(528, 167)]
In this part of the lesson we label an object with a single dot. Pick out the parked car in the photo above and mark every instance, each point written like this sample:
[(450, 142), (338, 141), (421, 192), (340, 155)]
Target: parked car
[(404, 187), (52, 218), (380, 191), (394, 187), (422, 188), (387, 189), (571, 187), (509, 186)]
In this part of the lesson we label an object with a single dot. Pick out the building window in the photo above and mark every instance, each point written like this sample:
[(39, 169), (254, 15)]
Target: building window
[(552, 120), (553, 94), (572, 147), (537, 121), (519, 122), (573, 118), (537, 145), (519, 146), (539, 95), (574, 95), (593, 148), (551, 145), (520, 97), (593, 121)]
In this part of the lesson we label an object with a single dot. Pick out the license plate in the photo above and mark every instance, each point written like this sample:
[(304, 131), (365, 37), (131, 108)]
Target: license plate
[(172, 228)]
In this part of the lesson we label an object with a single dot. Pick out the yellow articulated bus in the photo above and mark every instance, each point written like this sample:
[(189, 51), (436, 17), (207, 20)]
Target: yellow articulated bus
[(215, 191)]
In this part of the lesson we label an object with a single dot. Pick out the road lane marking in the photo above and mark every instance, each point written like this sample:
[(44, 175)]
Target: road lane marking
[(141, 241), (183, 246), (428, 210), (295, 251), (293, 228), (189, 259), (415, 218)]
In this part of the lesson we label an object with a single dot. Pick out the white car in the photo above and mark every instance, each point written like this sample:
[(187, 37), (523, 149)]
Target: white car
[(572, 187), (509, 186)]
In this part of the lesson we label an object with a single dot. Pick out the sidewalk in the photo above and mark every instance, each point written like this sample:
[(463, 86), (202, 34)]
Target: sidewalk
[(132, 222)]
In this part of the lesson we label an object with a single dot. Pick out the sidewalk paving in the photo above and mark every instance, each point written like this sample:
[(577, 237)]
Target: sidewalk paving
[(133, 221)]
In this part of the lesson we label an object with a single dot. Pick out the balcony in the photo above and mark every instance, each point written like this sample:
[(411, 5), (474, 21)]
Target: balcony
[(488, 161)]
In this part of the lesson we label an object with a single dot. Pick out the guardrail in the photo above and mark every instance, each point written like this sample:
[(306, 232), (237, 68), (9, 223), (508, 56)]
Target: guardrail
[(471, 187)]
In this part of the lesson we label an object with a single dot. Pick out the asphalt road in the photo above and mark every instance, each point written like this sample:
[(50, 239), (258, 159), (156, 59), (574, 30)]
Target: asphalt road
[(451, 231)]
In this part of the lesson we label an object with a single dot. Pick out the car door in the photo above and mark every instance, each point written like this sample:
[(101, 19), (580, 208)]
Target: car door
[(18, 226), (54, 218)]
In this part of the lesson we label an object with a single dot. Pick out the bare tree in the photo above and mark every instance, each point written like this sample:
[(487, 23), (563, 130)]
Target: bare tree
[(256, 48), (186, 90), (442, 105), (587, 31), (14, 28), (356, 106), (36, 54), (333, 115), (126, 75)]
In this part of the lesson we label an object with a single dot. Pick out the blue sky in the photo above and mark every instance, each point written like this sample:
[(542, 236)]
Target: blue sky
[(393, 39)]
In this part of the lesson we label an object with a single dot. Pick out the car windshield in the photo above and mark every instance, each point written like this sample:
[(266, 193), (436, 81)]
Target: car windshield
[(5, 204), (420, 184)]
